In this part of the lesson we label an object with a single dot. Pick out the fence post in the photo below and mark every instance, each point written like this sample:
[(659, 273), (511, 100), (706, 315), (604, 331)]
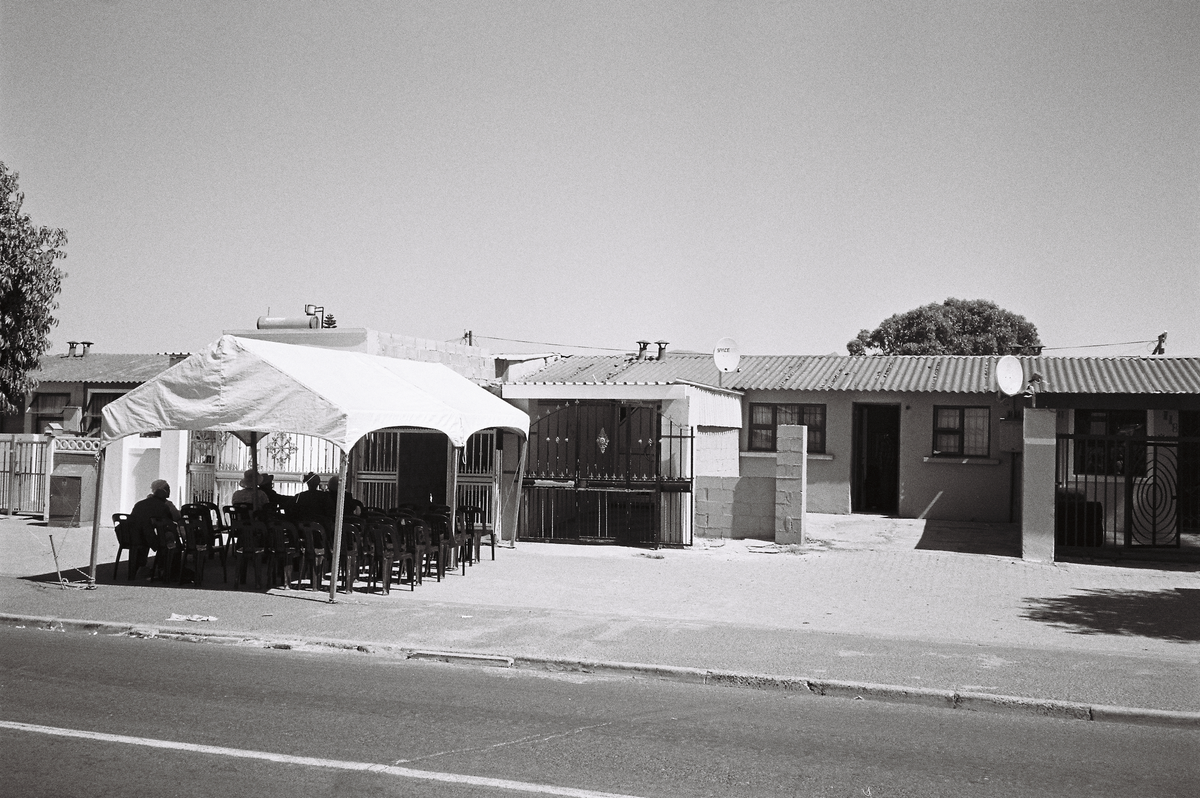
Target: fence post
[(12, 478), (47, 471)]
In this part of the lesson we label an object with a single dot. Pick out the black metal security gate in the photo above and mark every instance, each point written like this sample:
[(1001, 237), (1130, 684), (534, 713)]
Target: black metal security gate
[(607, 471), (1125, 491)]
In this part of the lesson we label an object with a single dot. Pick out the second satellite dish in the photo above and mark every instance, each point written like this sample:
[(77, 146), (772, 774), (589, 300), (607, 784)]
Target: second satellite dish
[(726, 355), (1010, 377)]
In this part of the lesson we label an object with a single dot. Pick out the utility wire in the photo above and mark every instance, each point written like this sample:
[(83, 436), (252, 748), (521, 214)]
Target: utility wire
[(1092, 346), (544, 343)]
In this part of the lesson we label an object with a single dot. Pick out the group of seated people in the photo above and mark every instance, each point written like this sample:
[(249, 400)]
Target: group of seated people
[(311, 504)]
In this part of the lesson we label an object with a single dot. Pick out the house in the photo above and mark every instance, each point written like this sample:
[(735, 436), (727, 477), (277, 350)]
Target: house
[(915, 437)]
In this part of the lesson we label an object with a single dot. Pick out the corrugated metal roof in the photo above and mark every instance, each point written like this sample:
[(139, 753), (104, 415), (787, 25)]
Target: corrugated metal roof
[(104, 367), (911, 373)]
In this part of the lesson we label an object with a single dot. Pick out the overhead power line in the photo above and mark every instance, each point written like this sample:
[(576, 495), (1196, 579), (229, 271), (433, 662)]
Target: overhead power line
[(543, 343), (1093, 346)]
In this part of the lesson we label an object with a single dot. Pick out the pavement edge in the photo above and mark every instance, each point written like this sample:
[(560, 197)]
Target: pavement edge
[(834, 688)]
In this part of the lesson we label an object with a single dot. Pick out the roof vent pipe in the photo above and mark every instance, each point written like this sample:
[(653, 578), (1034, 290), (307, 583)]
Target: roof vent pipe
[(86, 346), (642, 345), (662, 349), (71, 351)]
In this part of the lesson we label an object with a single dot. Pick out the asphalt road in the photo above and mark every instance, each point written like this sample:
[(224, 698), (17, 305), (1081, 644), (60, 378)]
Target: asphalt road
[(270, 722)]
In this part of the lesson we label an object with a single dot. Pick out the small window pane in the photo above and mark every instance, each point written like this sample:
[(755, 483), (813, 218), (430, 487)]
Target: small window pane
[(762, 439), (760, 414), (946, 418), (788, 414), (946, 443), (975, 432)]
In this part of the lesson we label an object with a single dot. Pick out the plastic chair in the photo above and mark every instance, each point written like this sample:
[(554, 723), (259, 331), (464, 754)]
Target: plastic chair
[(168, 549), (282, 550), (312, 552), (194, 544), (432, 538), (404, 551), (379, 551), (248, 547), (349, 560), (131, 541), (198, 519)]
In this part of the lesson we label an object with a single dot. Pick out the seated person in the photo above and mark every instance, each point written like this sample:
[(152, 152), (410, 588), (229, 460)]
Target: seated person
[(250, 493), (312, 503), (266, 483), (354, 508), (155, 506)]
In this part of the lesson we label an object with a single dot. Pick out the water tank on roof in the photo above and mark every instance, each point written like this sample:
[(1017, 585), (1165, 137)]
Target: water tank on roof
[(289, 322)]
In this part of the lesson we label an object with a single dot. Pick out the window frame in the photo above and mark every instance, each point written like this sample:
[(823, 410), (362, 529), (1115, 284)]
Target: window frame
[(800, 409), (960, 432)]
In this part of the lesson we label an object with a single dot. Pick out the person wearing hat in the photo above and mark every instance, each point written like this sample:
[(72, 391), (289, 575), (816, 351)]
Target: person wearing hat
[(250, 492), (157, 505)]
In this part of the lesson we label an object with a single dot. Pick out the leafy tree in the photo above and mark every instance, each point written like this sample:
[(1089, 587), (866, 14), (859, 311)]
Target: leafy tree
[(29, 284), (955, 327)]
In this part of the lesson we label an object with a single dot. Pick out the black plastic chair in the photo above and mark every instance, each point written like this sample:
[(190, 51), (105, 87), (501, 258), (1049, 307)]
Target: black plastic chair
[(169, 549), (283, 549), (249, 545), (130, 540), (312, 552), (198, 521)]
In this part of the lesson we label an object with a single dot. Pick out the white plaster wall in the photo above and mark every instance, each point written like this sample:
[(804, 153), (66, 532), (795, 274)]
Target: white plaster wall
[(716, 452)]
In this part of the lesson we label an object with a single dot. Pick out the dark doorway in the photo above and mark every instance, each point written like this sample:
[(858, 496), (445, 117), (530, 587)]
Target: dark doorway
[(876, 486)]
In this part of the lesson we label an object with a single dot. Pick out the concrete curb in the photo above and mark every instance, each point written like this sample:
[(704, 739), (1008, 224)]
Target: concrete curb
[(859, 691)]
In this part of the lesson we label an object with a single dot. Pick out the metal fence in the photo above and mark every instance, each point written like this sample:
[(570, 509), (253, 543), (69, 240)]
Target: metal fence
[(1125, 491), (24, 463)]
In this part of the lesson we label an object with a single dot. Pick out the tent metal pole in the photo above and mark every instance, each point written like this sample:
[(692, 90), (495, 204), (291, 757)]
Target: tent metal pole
[(254, 451), (96, 517), (455, 453), (338, 518), (519, 494)]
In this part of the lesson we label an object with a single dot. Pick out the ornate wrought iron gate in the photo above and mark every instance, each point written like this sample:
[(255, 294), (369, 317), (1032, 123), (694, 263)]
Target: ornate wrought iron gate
[(1126, 491), (607, 471)]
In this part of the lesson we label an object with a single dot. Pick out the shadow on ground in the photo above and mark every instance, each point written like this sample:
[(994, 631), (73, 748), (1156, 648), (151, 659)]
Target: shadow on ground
[(1160, 614), (1001, 540)]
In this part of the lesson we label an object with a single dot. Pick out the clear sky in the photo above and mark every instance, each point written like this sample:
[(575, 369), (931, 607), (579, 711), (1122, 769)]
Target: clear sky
[(592, 173)]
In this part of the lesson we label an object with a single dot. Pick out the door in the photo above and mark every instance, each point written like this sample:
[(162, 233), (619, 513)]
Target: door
[(876, 484)]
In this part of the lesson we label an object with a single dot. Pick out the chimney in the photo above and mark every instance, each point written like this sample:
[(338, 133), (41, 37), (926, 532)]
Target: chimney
[(86, 346), (72, 344), (642, 345), (662, 348)]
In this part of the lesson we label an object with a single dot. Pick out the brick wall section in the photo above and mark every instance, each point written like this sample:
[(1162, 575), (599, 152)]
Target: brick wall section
[(791, 482)]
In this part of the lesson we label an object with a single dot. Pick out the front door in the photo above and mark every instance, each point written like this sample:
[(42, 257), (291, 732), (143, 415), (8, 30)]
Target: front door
[(876, 485)]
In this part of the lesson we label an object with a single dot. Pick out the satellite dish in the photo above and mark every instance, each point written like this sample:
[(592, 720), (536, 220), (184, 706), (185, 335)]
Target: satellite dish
[(1010, 377), (727, 355)]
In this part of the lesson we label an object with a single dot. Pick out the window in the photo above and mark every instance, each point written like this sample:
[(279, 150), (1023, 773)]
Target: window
[(47, 408), (765, 421), (962, 431), (1107, 452), (96, 403)]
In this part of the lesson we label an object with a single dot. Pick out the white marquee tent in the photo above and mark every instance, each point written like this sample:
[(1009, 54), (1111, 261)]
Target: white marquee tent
[(243, 386)]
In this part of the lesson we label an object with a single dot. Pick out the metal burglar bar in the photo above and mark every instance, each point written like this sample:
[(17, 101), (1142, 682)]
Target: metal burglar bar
[(608, 472), (1123, 491), (23, 462)]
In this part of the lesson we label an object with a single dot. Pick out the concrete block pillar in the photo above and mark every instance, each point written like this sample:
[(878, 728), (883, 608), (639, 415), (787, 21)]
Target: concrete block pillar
[(1037, 485), (791, 484)]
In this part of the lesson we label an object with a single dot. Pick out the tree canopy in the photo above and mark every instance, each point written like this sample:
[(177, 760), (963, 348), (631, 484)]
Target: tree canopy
[(29, 285), (955, 327)]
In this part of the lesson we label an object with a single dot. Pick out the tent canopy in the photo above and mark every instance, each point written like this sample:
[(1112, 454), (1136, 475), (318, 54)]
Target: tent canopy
[(244, 385)]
